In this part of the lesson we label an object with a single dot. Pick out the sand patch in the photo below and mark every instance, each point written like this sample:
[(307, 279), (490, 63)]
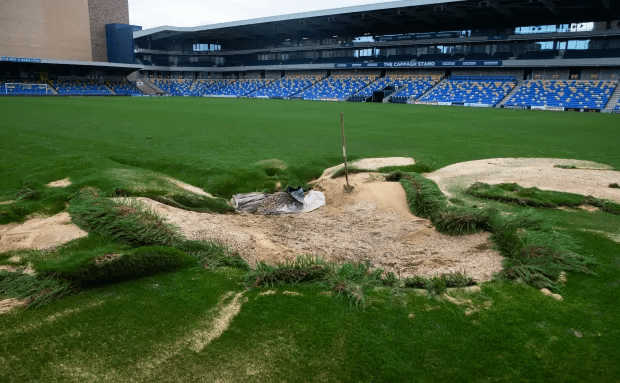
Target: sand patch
[(221, 322), (531, 172), (6, 202), (18, 269), (371, 224), (59, 184), (372, 164), (39, 233), (7, 305), (190, 188)]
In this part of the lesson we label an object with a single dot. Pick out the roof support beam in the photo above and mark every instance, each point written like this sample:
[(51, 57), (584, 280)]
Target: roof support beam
[(607, 4), (420, 16), (552, 7), (501, 9), (458, 12)]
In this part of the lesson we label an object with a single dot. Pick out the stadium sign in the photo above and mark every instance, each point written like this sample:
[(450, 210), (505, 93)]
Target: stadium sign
[(423, 64), (19, 59)]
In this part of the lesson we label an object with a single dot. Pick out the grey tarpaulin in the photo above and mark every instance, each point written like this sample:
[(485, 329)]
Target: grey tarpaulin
[(290, 202)]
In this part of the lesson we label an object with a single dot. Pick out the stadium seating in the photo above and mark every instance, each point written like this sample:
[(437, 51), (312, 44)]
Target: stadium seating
[(367, 92), (207, 87), (487, 90), (285, 87), (239, 88), (336, 87), (564, 93), (22, 88), (416, 86), (81, 88), (124, 88), (175, 87)]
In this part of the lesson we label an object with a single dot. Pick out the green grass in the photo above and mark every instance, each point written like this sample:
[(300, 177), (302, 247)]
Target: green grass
[(513, 193), (350, 324)]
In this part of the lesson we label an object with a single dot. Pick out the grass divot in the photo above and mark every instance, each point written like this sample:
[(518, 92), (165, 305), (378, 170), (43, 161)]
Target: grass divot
[(534, 197), (535, 252), (351, 279), (130, 223)]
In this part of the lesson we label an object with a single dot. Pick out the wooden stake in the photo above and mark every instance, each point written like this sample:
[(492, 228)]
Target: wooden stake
[(348, 188)]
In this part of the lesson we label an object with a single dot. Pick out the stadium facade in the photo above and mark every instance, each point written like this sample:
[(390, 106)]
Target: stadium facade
[(553, 54)]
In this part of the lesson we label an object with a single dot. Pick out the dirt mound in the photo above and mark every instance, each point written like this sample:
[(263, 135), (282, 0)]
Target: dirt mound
[(371, 224), (587, 178), (372, 164), (39, 233)]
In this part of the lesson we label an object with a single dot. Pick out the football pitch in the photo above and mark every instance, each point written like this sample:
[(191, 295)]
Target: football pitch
[(203, 324)]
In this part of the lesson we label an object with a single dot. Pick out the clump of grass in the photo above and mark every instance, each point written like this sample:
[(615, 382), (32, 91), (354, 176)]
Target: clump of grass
[(614, 185), (352, 170), (36, 290), (130, 223), (211, 254), (535, 253), (27, 192), (350, 278), (421, 166), (534, 197), (185, 201), (87, 269)]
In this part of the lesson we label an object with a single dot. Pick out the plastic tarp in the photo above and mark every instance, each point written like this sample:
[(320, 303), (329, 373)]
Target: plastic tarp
[(293, 201)]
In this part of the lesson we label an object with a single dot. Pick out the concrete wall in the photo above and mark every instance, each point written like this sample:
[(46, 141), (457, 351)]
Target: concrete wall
[(102, 12), (57, 29)]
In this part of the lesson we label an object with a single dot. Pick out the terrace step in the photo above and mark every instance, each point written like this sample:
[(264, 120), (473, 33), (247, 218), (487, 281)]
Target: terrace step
[(410, 101), (110, 89), (512, 92), (613, 100)]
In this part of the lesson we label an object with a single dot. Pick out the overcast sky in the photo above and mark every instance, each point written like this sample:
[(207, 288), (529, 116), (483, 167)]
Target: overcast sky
[(191, 13)]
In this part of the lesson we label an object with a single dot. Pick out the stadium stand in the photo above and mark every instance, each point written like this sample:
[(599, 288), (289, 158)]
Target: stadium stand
[(124, 88), (175, 87), (336, 87), (207, 87), (80, 88), (367, 92), (487, 90), (22, 88), (285, 87), (416, 86), (592, 94), (239, 88)]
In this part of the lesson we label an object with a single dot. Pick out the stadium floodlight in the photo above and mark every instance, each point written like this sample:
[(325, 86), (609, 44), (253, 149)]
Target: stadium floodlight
[(12, 85)]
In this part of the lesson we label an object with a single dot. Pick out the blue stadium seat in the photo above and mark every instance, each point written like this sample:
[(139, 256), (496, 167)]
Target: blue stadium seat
[(207, 87), (179, 87), (81, 88), (240, 88), (124, 88), (487, 90), (336, 87), (285, 87), (592, 94)]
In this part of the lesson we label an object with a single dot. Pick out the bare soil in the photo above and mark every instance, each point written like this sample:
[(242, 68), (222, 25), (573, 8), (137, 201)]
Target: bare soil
[(371, 224), (59, 184), (589, 178), (371, 164), (39, 233)]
